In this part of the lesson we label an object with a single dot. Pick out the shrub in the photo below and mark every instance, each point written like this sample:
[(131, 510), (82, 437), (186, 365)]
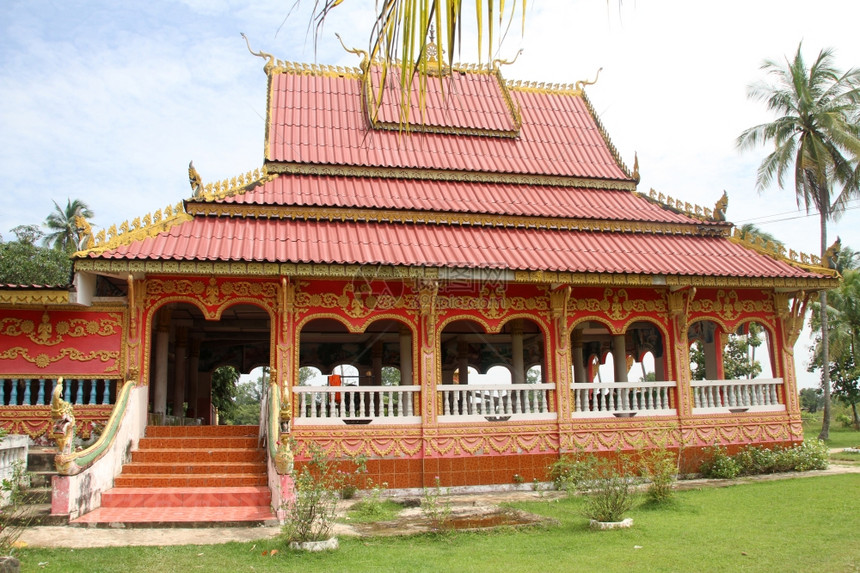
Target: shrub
[(753, 460), (612, 492), (719, 465), (310, 515), (660, 468), (573, 472), (372, 506)]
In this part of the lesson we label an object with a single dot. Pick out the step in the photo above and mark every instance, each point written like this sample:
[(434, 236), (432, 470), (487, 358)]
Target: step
[(198, 456), (177, 517), (41, 479), (186, 467), (201, 431), (187, 497), (41, 459), (199, 443), (191, 480)]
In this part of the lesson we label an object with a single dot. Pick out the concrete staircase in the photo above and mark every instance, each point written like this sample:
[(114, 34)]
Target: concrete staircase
[(189, 476), (36, 509)]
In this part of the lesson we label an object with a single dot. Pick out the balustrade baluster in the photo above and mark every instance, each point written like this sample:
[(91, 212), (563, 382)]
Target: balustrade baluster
[(40, 392), (27, 392), (13, 395), (93, 391)]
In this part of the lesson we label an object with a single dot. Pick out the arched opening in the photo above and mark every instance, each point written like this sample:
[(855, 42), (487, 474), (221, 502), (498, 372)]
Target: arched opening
[(187, 350), (744, 354), (484, 374), (362, 376)]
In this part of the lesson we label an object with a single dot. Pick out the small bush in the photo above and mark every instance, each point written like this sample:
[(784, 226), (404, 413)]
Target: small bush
[(755, 460), (573, 472), (373, 506), (612, 492), (719, 465), (660, 468)]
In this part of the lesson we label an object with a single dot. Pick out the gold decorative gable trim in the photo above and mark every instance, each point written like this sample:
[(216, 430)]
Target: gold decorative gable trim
[(334, 271), (37, 297), (139, 229), (364, 215), (681, 207), (460, 176), (803, 261), (235, 186)]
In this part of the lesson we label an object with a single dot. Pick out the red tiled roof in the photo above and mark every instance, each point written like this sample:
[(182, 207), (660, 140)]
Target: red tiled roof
[(458, 197), (319, 119), (458, 100), (265, 240)]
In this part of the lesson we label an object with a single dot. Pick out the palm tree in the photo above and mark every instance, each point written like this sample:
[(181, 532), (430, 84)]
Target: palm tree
[(405, 29), (65, 234), (815, 137)]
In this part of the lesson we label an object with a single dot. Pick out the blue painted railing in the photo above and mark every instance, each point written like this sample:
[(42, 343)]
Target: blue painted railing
[(77, 391)]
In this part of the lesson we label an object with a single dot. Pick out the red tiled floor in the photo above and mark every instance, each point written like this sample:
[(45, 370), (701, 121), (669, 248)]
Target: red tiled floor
[(175, 515)]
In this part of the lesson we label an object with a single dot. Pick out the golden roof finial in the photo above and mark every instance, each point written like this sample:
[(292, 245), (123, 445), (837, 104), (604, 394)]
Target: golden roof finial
[(365, 58), (636, 176), (500, 62), (580, 85), (195, 180), (270, 64), (721, 206)]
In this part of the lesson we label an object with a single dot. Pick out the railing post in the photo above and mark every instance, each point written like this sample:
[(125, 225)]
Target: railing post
[(40, 395), (27, 392), (13, 395), (93, 384)]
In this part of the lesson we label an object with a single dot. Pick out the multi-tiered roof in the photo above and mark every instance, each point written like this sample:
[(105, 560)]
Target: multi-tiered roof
[(487, 174)]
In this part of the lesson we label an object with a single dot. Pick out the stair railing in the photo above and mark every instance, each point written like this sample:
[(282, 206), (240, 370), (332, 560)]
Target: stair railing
[(275, 418), (75, 462)]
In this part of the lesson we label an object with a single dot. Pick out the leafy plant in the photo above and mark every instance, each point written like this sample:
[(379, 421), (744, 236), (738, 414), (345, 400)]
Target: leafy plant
[(573, 472), (613, 491), (753, 460), (660, 468), (13, 518), (435, 507)]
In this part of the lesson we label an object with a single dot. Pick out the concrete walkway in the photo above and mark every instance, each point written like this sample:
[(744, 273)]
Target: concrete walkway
[(83, 537)]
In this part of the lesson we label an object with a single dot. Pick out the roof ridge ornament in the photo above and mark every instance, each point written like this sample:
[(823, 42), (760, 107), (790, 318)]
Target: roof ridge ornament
[(580, 85), (721, 206), (365, 57), (497, 63), (635, 175), (195, 180), (270, 63)]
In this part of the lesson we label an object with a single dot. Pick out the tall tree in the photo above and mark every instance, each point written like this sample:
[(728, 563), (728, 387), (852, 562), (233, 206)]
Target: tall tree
[(22, 262), (817, 138), (844, 316), (64, 230)]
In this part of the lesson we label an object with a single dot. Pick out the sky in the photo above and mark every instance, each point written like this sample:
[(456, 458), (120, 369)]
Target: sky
[(108, 101)]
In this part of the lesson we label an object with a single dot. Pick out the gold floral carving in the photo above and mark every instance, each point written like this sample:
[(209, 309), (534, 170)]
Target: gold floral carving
[(493, 303), (21, 297), (616, 305), (428, 292), (47, 333), (558, 300), (211, 293), (357, 301), (43, 360), (729, 306), (791, 308)]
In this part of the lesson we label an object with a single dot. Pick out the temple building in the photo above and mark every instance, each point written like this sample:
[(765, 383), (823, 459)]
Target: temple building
[(493, 228)]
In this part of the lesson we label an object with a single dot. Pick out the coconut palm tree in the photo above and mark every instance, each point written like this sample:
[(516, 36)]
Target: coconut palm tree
[(64, 234), (405, 29), (817, 139)]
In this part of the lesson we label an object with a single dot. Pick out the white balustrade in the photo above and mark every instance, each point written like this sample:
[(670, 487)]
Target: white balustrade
[(756, 395), (495, 402), (355, 404), (622, 399)]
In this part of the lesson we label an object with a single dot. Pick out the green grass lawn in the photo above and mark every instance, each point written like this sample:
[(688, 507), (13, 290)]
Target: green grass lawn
[(802, 524), (840, 436)]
